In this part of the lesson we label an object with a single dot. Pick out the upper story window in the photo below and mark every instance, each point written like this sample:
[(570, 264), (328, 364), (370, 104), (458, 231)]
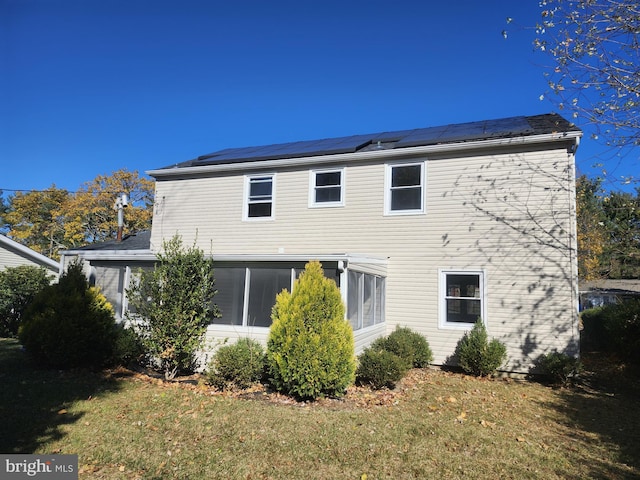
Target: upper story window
[(462, 298), (326, 188), (259, 193), (405, 188)]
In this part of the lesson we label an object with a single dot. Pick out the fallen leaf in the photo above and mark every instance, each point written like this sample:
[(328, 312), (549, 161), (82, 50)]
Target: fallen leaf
[(121, 468), (520, 439), (452, 400), (62, 412), (460, 418)]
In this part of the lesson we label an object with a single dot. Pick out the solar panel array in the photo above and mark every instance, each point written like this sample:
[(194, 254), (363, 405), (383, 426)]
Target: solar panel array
[(483, 130)]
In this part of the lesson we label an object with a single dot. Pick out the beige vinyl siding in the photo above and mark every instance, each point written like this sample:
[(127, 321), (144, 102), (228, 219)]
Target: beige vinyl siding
[(507, 214)]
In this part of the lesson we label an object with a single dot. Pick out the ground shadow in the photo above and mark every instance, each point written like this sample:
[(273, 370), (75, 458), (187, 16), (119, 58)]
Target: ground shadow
[(604, 403), (35, 403)]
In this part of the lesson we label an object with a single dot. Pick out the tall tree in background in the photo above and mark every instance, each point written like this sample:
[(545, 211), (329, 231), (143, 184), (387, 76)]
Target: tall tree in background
[(592, 235), (35, 219), (90, 216), (621, 253), (54, 219), (595, 46)]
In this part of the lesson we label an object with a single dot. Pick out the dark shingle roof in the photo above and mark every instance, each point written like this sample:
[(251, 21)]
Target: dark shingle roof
[(134, 241), (455, 133)]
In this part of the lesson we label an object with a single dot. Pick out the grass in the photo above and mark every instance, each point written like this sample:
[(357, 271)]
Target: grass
[(436, 424)]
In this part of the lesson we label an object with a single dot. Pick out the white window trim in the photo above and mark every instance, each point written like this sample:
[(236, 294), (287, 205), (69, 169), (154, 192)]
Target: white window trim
[(245, 202), (442, 303), (360, 293), (387, 188), (312, 188)]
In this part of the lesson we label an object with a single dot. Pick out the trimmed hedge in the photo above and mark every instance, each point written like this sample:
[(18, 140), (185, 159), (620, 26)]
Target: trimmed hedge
[(240, 364), (479, 356)]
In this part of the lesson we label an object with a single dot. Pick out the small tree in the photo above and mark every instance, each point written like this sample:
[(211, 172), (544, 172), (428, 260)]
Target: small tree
[(173, 305), (18, 287), (310, 350)]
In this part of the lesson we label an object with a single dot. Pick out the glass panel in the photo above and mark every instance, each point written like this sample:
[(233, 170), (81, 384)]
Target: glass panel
[(264, 285), (260, 187), (230, 296), (353, 300), (380, 298), (368, 302), (406, 199), (464, 304), (260, 209), (327, 179), (331, 194), (467, 286), (406, 176)]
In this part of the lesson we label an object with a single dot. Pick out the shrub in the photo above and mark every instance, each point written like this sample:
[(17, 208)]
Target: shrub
[(614, 329), (69, 324), (412, 347), (560, 367), (380, 368), (18, 288), (173, 305), (310, 350), (479, 356), (240, 364), (128, 349)]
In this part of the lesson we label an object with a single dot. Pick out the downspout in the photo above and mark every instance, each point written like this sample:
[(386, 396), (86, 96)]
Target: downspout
[(573, 245)]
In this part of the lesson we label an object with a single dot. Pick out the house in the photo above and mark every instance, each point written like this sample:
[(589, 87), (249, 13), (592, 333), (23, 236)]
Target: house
[(432, 228), (14, 254), (597, 293)]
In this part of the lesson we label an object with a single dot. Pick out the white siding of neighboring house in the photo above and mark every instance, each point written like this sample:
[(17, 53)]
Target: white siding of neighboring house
[(15, 255), (507, 214)]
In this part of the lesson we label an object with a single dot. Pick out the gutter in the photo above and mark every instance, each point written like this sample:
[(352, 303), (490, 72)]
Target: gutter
[(573, 137)]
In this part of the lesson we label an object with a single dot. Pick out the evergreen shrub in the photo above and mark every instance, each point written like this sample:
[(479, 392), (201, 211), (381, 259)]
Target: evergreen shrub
[(479, 356), (18, 287), (560, 367), (412, 347), (69, 324), (240, 364), (310, 349), (379, 368)]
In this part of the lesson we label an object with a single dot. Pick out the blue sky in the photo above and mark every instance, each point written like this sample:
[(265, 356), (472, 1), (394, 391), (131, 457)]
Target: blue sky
[(92, 86)]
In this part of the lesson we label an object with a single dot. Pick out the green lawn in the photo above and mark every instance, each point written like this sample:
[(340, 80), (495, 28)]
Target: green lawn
[(435, 425)]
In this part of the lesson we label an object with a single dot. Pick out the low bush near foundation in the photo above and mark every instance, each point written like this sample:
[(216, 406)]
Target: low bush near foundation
[(379, 368), (559, 367), (240, 364), (408, 345), (479, 356)]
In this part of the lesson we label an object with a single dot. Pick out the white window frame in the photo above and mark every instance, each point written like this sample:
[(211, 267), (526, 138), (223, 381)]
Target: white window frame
[(442, 298), (313, 188), (388, 175), (247, 201)]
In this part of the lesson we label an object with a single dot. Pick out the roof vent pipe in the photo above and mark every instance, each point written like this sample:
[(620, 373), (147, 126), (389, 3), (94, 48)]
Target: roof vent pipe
[(121, 202)]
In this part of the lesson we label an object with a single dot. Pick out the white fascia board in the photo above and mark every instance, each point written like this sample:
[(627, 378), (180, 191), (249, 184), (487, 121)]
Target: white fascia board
[(141, 255), (381, 155), (35, 256)]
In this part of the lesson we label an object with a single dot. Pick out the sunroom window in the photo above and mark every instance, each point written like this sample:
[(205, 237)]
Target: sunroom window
[(365, 299)]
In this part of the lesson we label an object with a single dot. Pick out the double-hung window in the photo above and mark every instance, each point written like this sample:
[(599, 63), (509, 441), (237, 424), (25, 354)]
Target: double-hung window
[(405, 188), (326, 188), (259, 194), (462, 298)]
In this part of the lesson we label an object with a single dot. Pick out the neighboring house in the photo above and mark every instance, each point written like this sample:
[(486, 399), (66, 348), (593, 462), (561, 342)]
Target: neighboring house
[(597, 293), (430, 228), (14, 254)]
